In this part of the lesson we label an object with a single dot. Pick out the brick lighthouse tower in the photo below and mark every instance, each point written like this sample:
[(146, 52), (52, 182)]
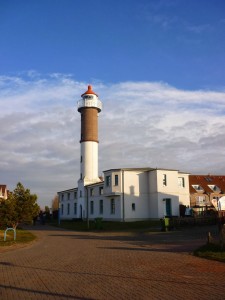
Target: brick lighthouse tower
[(89, 107)]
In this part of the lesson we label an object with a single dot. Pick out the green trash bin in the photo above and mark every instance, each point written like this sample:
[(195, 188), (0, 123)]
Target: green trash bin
[(167, 223)]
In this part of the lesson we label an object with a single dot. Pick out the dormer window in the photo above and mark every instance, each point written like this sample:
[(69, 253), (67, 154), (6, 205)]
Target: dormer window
[(214, 188), (197, 187)]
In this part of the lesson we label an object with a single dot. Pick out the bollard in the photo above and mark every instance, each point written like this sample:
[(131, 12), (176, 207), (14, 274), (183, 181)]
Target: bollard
[(209, 238)]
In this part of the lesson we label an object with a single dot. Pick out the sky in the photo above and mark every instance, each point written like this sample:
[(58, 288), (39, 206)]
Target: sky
[(158, 67)]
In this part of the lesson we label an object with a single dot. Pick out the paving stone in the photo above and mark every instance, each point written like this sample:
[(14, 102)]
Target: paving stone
[(119, 265)]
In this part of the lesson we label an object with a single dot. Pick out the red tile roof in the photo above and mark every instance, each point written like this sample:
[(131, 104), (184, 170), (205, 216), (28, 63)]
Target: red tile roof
[(205, 180)]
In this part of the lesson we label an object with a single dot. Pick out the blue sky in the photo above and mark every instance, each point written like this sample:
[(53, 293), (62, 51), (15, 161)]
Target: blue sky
[(158, 67), (175, 41)]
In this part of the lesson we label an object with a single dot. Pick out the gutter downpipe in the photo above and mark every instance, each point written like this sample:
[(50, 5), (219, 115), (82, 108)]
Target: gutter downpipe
[(123, 213), (87, 210), (59, 213)]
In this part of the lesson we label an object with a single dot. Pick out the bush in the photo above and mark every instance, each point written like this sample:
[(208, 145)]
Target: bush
[(98, 223)]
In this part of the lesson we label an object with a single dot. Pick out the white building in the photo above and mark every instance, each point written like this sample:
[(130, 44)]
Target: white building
[(129, 194), (125, 194), (3, 191)]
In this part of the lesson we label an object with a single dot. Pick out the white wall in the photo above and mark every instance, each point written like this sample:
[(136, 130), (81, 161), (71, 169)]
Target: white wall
[(184, 194), (89, 164), (159, 191), (136, 192)]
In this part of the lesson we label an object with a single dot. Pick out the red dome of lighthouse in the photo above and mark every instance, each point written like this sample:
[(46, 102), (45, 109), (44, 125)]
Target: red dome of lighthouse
[(89, 91)]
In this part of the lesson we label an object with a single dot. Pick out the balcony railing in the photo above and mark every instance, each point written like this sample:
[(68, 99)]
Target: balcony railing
[(89, 103)]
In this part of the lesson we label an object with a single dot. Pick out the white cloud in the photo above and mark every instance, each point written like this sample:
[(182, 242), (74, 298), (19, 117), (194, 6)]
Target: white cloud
[(200, 28), (142, 124)]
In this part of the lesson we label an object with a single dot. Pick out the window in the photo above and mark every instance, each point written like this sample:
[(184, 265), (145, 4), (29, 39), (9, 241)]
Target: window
[(80, 175), (92, 208), (112, 206), (197, 188), (62, 197), (75, 208), (100, 207), (75, 195), (91, 192), (208, 179), (68, 196), (181, 182), (88, 97), (200, 200), (62, 209), (68, 208), (108, 180), (164, 180), (133, 206), (116, 180), (214, 188), (101, 190), (80, 194)]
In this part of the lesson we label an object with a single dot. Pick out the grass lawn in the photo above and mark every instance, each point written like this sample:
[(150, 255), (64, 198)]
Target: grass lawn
[(211, 251), (22, 237), (108, 226)]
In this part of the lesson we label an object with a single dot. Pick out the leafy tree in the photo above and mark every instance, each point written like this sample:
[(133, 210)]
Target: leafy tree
[(55, 206), (8, 213), (21, 206), (47, 210), (55, 203)]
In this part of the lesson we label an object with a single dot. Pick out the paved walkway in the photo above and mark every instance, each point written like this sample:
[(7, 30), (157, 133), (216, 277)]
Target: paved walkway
[(79, 265)]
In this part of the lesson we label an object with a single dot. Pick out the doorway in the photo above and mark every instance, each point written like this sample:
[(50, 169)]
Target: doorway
[(168, 207)]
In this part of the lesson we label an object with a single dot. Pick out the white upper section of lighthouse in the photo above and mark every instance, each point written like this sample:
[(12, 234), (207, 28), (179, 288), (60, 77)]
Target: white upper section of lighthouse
[(89, 99)]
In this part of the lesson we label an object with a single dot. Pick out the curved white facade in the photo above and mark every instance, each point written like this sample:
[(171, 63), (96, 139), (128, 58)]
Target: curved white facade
[(89, 162)]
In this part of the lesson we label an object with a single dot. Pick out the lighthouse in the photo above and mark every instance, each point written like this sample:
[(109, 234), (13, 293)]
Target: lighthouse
[(89, 107)]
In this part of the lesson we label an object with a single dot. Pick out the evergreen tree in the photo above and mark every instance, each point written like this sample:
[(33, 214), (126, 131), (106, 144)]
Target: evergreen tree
[(21, 206)]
